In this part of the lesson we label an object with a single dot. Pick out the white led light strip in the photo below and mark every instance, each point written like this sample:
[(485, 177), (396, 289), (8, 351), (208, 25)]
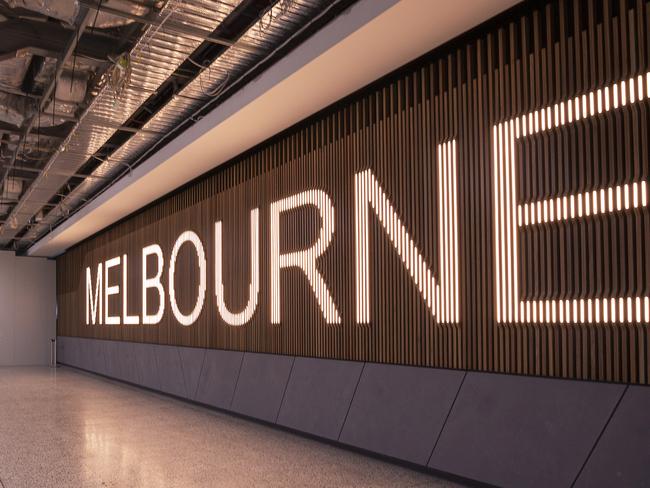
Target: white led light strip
[(441, 298), (605, 200), (191, 238), (110, 290), (238, 318), (510, 215), (94, 301), (447, 289), (304, 259)]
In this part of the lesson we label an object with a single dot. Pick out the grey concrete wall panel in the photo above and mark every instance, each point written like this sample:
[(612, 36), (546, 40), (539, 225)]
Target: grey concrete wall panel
[(60, 349), (399, 410), (84, 355), (191, 365), (262, 381), (95, 352), (91, 355), (219, 377), (71, 353), (146, 365), (318, 395), (170, 370), (114, 354), (120, 361), (132, 365), (501, 429), (81, 354), (523, 431), (622, 456), (64, 349)]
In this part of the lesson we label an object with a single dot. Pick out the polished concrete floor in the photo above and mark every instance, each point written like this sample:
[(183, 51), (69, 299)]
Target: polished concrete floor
[(65, 428)]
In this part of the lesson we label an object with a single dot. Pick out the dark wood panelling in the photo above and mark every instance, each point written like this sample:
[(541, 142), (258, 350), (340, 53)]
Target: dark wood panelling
[(545, 54)]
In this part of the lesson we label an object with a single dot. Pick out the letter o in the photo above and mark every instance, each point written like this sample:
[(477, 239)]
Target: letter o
[(191, 237)]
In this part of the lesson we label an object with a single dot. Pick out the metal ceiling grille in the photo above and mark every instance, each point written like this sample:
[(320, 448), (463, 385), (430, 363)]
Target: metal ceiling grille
[(189, 54)]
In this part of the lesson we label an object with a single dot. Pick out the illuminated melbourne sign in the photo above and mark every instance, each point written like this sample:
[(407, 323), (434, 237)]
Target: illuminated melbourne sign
[(370, 201), (436, 281), (511, 215)]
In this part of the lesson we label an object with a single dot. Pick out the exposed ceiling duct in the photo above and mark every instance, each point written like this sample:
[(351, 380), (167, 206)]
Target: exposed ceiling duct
[(150, 63), (13, 69), (14, 109), (107, 20), (70, 92), (190, 53), (12, 187), (72, 87), (11, 190), (48, 62), (65, 10)]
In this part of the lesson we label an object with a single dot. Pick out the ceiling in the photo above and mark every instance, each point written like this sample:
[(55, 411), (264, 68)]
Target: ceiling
[(207, 80), (87, 87)]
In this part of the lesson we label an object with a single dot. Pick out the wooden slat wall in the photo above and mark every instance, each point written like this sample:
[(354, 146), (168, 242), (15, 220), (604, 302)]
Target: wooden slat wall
[(547, 53)]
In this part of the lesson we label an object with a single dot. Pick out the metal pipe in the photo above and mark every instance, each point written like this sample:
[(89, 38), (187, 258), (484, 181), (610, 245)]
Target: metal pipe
[(44, 204), (72, 44), (25, 199), (14, 132), (57, 173), (171, 26), (28, 51), (108, 125), (197, 112)]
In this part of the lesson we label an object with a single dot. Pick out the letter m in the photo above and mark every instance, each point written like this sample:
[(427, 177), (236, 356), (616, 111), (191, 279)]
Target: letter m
[(93, 301)]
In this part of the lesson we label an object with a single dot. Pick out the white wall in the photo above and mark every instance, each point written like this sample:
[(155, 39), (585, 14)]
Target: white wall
[(27, 309)]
